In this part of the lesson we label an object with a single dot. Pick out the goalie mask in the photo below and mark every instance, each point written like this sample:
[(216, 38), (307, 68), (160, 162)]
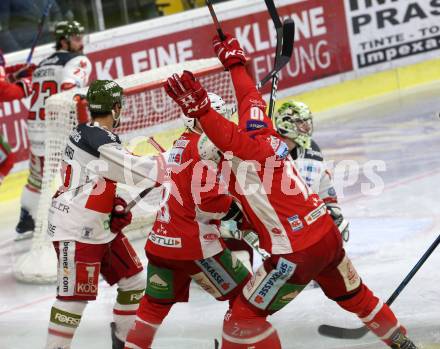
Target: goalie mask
[(293, 120), (218, 104), (102, 97)]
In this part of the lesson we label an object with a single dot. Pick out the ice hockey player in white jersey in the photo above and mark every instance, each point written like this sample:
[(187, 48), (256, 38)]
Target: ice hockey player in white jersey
[(86, 220), (294, 121), (65, 69)]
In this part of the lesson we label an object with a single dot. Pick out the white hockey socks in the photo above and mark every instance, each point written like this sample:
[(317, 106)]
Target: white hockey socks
[(29, 200), (130, 292), (65, 317)]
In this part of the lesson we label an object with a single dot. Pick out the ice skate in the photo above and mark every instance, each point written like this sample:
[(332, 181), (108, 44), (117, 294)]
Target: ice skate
[(25, 227)]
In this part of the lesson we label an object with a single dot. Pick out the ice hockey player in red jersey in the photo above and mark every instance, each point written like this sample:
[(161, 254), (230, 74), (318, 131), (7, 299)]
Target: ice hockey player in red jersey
[(6, 159), (184, 243), (15, 81), (294, 122), (86, 220), (292, 222), (63, 70)]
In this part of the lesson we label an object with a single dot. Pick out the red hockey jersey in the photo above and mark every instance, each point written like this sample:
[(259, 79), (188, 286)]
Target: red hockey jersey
[(262, 177), (186, 226)]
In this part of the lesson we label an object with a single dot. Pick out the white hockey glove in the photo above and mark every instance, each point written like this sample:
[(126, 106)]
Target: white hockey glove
[(342, 224)]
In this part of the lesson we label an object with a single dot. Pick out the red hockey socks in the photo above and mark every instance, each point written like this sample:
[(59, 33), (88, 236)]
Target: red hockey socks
[(149, 317), (376, 315), (244, 328)]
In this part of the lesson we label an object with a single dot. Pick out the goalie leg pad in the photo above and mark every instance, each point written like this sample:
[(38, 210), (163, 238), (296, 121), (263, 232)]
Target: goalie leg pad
[(65, 317), (130, 292)]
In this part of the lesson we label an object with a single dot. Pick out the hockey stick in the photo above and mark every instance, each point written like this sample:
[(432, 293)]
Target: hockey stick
[(279, 30), (144, 192), (286, 52), (40, 29), (356, 333), (215, 20)]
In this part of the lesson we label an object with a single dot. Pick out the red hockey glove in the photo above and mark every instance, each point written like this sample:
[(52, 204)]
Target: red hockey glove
[(228, 51), (189, 94), (26, 85), (19, 71), (119, 218)]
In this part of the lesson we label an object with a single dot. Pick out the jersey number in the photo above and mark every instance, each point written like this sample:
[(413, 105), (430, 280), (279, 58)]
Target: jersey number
[(46, 89), (256, 114)]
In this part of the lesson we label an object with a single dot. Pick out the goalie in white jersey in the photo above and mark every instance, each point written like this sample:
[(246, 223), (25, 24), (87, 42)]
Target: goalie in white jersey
[(65, 69), (86, 220)]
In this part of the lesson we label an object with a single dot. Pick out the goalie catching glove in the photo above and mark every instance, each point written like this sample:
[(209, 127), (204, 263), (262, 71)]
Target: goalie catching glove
[(119, 218), (340, 221), (188, 93), (229, 51)]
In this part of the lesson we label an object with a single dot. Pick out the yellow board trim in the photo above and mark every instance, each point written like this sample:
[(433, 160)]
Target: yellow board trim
[(320, 100)]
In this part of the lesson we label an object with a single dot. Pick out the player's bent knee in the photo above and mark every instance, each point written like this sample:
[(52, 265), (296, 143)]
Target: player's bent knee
[(231, 274)]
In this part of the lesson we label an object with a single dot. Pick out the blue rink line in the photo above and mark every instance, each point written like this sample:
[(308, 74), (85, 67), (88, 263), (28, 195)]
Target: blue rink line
[(370, 235)]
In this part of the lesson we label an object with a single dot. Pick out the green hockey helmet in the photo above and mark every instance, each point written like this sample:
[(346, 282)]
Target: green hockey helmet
[(293, 120), (65, 29), (103, 95)]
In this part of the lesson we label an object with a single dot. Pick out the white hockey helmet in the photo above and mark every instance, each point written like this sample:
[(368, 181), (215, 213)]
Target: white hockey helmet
[(217, 103)]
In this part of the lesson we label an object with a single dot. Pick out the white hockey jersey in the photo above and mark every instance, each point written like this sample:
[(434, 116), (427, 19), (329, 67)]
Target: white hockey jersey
[(94, 161), (312, 168), (59, 72)]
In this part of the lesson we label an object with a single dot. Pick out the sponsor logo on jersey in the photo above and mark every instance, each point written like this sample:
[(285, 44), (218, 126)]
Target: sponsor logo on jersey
[(43, 73), (295, 223), (132, 253), (87, 277), (181, 143), (69, 152), (66, 268), (51, 230), (331, 191), (210, 236), (217, 274), (349, 274), (315, 214), (68, 321), (279, 147), (268, 287), (165, 241), (276, 231), (252, 125), (175, 157), (158, 283), (60, 206), (87, 233), (202, 280), (76, 135)]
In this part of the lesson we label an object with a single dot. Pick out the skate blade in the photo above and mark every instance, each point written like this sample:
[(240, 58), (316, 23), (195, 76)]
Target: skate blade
[(24, 236)]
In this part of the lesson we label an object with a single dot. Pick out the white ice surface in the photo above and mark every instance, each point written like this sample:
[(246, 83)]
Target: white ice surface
[(389, 233)]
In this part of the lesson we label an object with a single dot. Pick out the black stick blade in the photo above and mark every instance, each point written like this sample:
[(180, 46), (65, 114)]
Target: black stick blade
[(288, 37), (342, 333)]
